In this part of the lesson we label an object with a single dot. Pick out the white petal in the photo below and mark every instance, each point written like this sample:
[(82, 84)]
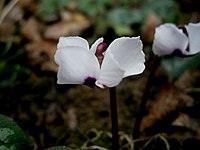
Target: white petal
[(168, 38), (127, 51), (75, 65), (110, 73), (72, 41), (194, 37), (96, 43)]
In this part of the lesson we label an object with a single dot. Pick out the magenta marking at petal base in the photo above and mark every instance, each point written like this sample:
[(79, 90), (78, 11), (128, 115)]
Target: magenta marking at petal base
[(177, 52), (90, 81)]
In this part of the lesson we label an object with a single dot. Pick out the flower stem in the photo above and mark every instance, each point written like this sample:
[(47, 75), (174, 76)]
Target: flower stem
[(150, 80), (114, 118)]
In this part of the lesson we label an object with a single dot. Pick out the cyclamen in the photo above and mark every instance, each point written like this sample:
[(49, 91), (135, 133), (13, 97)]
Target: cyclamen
[(98, 66), (169, 39)]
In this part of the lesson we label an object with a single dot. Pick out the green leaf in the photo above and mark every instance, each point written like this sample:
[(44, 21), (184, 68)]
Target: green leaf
[(12, 137), (122, 30), (124, 16), (7, 48), (164, 9), (176, 66), (93, 8), (50, 7), (62, 148)]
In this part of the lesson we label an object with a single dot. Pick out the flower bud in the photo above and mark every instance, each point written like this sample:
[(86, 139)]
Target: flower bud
[(101, 48)]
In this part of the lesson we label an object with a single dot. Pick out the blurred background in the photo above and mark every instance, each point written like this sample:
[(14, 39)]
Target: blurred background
[(52, 114)]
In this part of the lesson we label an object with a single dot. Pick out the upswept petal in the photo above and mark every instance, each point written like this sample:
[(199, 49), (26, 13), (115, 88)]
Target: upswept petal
[(168, 38), (110, 73), (193, 30), (72, 41), (75, 65), (127, 51), (96, 43)]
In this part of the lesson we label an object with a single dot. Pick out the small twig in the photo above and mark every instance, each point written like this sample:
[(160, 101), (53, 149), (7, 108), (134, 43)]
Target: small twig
[(132, 142), (114, 118), (147, 143), (7, 9), (129, 145), (165, 141)]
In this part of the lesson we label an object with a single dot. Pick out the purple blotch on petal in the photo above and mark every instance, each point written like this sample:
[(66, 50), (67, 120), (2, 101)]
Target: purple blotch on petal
[(178, 52), (90, 81)]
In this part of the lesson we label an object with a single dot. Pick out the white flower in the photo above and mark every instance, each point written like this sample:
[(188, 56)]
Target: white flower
[(78, 64), (169, 38)]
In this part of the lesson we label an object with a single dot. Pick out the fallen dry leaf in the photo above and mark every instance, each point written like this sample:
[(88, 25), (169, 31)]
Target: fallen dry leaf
[(192, 77), (28, 5), (66, 16), (170, 99), (72, 24), (31, 29), (186, 120), (56, 30), (42, 53), (6, 29), (148, 28)]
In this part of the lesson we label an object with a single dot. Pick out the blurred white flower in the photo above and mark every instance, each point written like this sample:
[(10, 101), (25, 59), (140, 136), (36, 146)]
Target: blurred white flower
[(169, 39), (98, 66)]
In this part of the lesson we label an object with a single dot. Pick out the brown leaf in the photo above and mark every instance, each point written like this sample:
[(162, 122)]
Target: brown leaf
[(67, 27), (66, 16), (169, 100), (6, 30), (56, 30), (30, 5), (187, 121), (31, 29), (148, 29), (192, 77), (42, 53)]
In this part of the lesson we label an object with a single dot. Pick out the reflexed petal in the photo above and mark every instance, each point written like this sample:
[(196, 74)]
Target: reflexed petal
[(127, 51), (110, 73), (75, 65), (168, 38), (96, 43), (72, 41), (194, 37)]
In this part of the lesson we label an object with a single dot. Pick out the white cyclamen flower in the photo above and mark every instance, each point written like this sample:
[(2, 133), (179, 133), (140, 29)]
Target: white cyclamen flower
[(169, 38), (79, 64)]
